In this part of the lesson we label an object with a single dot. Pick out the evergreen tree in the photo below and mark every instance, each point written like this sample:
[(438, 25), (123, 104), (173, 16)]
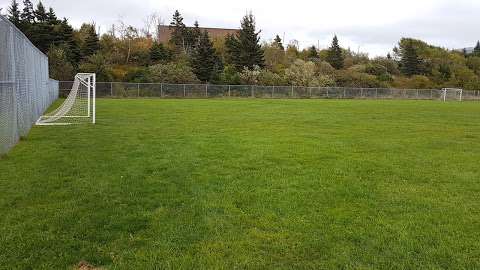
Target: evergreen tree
[(179, 31), (246, 50), (40, 13), (232, 52), (476, 50), (158, 53), (28, 14), (72, 48), (335, 55), (409, 61), (14, 14), (204, 58), (313, 53), (195, 35), (277, 42), (91, 44), (52, 17)]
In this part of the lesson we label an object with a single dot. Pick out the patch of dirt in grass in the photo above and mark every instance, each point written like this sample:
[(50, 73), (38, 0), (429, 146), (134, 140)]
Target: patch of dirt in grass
[(83, 265)]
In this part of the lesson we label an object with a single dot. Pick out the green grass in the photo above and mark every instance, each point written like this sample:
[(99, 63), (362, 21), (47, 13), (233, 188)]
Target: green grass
[(249, 184)]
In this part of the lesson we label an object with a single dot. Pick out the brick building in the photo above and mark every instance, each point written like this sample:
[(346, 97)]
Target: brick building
[(164, 32)]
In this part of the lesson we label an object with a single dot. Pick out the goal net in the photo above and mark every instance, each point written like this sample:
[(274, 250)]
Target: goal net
[(452, 94), (78, 107)]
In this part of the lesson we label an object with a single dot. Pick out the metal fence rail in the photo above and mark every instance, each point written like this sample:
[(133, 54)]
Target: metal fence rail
[(165, 90), (25, 88)]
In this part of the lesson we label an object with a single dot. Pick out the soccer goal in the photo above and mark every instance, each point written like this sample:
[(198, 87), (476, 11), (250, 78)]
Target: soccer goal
[(452, 94), (78, 107)]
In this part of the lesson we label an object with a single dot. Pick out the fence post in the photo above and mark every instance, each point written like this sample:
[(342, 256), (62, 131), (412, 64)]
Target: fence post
[(184, 90), (111, 89), (138, 90), (273, 91), (161, 90), (376, 93), (229, 91), (310, 92), (431, 94), (327, 92), (251, 88), (344, 93), (361, 92), (292, 92), (206, 90)]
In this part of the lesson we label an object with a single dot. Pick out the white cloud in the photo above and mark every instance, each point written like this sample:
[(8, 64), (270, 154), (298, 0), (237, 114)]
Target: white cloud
[(373, 25)]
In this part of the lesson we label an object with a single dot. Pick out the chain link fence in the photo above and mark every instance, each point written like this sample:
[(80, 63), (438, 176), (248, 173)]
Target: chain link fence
[(25, 88), (165, 90)]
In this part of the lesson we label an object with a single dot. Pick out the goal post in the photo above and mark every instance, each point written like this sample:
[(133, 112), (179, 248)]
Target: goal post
[(452, 94), (79, 106)]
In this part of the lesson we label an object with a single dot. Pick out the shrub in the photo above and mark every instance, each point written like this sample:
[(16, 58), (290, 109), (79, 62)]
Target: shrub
[(229, 76), (138, 75), (267, 77), (175, 72), (346, 78), (301, 73)]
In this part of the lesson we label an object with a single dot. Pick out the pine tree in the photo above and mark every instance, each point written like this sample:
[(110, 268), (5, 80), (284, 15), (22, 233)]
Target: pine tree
[(277, 42), (335, 55), (313, 53), (246, 50), (179, 30), (40, 13), (195, 35), (158, 53), (204, 58), (232, 49), (52, 17), (92, 44), (72, 48), (409, 61), (28, 14), (14, 14), (476, 50)]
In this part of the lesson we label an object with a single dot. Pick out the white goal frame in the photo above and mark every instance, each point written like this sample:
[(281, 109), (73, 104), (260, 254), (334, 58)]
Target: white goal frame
[(72, 110), (458, 93)]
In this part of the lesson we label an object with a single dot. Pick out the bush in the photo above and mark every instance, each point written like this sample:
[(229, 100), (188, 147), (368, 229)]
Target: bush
[(346, 78), (229, 76), (267, 77), (250, 76), (375, 69), (59, 66), (415, 82), (301, 73), (324, 68), (175, 72), (97, 64), (138, 75)]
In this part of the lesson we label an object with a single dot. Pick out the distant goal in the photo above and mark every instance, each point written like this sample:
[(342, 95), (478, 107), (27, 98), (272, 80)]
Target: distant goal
[(452, 94), (78, 107)]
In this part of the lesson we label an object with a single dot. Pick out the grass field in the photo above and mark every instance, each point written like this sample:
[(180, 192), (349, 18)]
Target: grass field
[(249, 184)]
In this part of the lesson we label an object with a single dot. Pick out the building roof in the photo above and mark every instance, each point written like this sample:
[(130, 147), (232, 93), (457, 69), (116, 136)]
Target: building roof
[(164, 32)]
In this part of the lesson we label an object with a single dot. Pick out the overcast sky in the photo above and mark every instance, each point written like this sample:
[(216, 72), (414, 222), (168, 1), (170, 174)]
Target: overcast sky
[(373, 26)]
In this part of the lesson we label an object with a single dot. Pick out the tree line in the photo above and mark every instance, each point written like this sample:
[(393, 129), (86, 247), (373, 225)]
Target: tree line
[(126, 53)]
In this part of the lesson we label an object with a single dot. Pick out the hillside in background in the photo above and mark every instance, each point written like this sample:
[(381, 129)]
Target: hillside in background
[(130, 54)]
